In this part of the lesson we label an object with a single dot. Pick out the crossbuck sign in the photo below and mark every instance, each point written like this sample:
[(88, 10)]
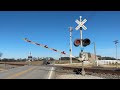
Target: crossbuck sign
[(81, 23)]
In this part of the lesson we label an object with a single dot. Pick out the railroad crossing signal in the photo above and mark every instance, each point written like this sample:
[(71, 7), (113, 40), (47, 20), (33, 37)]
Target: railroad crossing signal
[(81, 24), (85, 42)]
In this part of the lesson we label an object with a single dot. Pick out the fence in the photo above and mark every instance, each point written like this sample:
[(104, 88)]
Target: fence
[(107, 62)]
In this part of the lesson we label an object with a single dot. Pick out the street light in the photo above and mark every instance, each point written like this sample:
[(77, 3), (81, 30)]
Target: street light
[(116, 41)]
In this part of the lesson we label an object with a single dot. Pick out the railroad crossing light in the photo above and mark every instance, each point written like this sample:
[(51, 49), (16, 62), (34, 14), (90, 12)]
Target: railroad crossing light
[(85, 42), (77, 42)]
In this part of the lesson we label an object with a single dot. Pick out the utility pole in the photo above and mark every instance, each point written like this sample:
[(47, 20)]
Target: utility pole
[(60, 57), (95, 50), (116, 41), (71, 29)]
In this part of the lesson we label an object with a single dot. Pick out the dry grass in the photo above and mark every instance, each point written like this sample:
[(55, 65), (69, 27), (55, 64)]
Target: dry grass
[(14, 63), (1, 69), (65, 61), (37, 62), (22, 63), (75, 63)]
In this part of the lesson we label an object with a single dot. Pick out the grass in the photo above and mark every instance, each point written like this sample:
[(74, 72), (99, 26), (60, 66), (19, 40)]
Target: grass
[(66, 61), (22, 63)]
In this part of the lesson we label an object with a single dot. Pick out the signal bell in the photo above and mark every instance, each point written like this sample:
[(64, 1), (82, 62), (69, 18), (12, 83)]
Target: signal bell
[(85, 42)]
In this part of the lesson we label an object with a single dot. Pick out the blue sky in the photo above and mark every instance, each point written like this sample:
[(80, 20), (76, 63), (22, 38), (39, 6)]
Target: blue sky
[(51, 28)]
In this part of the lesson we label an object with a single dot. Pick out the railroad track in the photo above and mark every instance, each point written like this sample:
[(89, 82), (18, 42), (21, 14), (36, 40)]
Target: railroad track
[(108, 73)]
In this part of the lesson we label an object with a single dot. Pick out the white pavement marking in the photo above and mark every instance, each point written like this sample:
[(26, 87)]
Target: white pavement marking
[(51, 71)]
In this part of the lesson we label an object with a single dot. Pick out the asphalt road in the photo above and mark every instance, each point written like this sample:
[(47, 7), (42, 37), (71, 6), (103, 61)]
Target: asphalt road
[(28, 72)]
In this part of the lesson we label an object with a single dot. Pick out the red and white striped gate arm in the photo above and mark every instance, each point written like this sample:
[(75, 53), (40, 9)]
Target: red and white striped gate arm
[(45, 46)]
